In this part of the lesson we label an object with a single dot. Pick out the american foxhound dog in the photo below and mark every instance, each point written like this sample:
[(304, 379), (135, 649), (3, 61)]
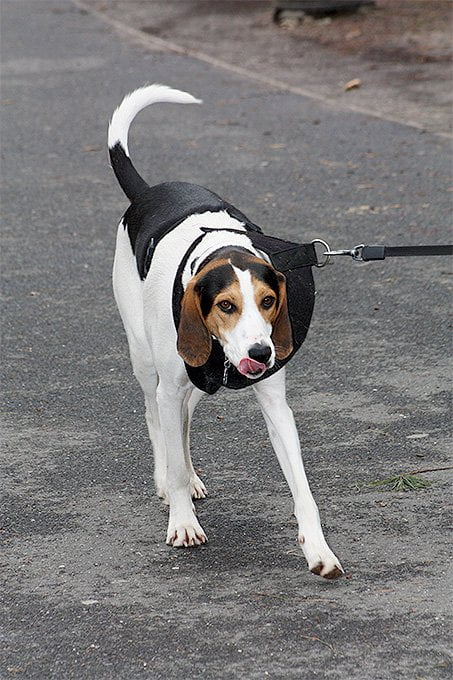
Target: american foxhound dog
[(202, 307)]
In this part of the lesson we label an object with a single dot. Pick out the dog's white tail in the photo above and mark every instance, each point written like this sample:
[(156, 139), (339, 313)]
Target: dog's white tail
[(130, 181)]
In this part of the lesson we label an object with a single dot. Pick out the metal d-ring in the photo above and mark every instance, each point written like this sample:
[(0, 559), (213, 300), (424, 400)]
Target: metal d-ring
[(326, 252)]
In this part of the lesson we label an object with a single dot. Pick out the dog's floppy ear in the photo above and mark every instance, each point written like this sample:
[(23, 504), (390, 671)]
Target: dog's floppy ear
[(194, 340), (282, 335)]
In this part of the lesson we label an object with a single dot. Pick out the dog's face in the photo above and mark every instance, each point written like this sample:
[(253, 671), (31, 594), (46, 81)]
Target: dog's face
[(241, 300)]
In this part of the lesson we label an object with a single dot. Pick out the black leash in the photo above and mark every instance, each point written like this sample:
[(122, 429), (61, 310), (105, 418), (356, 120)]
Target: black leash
[(364, 253)]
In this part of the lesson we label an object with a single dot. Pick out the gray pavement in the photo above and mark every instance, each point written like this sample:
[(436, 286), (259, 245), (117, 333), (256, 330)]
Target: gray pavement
[(89, 589)]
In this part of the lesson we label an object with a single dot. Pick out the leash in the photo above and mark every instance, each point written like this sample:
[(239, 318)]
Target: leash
[(370, 253)]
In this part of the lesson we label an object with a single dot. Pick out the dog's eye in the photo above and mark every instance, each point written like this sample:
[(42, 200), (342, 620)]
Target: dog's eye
[(267, 302), (226, 306)]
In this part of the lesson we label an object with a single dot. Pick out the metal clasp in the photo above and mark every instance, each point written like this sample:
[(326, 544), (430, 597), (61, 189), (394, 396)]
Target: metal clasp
[(355, 253), (226, 366)]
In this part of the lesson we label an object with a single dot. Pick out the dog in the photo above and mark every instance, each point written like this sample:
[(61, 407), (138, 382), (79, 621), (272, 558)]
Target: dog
[(202, 308)]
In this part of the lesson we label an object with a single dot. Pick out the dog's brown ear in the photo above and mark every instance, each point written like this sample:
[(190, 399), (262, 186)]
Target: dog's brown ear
[(282, 335), (194, 340)]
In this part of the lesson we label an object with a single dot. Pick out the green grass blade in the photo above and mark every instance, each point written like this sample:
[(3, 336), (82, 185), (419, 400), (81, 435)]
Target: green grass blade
[(400, 483)]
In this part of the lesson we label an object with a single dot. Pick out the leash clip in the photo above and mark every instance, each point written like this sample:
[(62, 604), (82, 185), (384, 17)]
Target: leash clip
[(355, 253)]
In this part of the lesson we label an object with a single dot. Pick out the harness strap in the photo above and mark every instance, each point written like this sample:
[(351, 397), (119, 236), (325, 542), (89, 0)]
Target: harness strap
[(285, 255)]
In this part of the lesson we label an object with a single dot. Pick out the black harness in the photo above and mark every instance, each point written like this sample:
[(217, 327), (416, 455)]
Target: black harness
[(162, 208)]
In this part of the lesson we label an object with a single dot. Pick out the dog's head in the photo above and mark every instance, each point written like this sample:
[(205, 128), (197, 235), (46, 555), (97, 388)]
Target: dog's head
[(241, 300)]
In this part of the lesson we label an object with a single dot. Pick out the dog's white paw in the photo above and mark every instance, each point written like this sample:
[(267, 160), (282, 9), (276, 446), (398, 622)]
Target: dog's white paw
[(187, 535), (197, 488), (321, 560)]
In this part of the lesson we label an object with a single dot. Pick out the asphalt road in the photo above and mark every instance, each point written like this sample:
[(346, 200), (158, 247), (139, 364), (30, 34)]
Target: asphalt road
[(89, 589)]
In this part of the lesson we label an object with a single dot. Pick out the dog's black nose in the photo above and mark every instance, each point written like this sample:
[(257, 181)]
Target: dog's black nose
[(260, 353)]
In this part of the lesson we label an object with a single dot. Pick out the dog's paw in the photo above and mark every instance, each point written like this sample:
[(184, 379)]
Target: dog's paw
[(321, 560), (197, 488), (328, 570), (187, 535)]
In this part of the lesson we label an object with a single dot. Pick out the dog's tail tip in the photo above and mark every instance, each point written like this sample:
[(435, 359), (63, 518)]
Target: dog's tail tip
[(129, 179), (137, 100)]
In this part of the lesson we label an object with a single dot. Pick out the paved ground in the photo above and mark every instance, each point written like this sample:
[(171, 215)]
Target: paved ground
[(89, 588)]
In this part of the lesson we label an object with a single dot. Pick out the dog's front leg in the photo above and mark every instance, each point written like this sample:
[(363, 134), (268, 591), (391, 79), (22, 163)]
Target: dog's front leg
[(283, 434), (184, 529)]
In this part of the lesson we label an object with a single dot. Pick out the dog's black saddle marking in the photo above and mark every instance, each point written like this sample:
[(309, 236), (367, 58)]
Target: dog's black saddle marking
[(161, 208)]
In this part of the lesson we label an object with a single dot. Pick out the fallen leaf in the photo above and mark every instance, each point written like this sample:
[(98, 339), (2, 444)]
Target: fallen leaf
[(352, 84), (356, 33)]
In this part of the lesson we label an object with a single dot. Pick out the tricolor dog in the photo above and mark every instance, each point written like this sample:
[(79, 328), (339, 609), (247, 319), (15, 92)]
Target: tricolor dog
[(203, 307)]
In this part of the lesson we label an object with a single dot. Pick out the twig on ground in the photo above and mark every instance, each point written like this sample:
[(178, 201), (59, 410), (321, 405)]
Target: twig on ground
[(435, 469), (314, 638)]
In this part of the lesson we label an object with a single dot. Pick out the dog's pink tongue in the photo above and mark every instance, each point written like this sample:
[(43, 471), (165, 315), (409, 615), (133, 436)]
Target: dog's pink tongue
[(250, 366)]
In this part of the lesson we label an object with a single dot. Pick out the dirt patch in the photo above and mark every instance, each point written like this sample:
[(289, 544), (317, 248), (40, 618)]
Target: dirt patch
[(389, 30), (393, 30)]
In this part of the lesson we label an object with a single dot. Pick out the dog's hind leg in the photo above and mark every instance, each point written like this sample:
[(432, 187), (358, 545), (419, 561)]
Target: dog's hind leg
[(149, 386), (184, 529), (146, 375), (128, 289), (198, 489), (155, 435), (283, 434)]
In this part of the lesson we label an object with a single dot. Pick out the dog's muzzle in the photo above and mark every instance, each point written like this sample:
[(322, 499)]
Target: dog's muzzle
[(257, 361)]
